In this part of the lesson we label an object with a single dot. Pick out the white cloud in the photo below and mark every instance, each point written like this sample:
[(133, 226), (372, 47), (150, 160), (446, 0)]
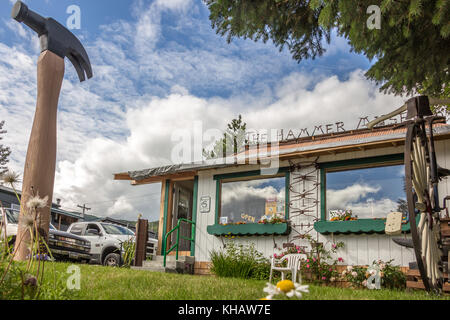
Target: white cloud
[(145, 88), (354, 197), (232, 192), (181, 5)]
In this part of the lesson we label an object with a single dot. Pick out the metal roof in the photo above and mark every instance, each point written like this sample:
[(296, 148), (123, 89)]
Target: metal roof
[(306, 145)]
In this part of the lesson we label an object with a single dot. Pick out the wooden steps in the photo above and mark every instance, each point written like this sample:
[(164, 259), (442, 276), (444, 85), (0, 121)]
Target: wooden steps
[(414, 280), (184, 264)]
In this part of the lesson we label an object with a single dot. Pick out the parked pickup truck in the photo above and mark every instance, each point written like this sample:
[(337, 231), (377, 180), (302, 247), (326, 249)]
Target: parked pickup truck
[(106, 240), (63, 245)]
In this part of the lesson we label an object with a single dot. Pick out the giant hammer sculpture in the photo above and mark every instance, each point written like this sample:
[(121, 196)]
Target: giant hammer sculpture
[(39, 173)]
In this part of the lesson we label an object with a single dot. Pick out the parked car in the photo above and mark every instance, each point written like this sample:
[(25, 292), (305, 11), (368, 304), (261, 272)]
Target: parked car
[(63, 245), (106, 240), (67, 246)]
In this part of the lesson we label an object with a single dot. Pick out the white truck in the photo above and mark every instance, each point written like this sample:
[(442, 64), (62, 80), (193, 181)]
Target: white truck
[(106, 240), (63, 246), (11, 223)]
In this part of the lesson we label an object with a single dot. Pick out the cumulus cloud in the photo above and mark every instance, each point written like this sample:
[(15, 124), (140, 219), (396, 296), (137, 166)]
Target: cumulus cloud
[(147, 86), (236, 191), (355, 197)]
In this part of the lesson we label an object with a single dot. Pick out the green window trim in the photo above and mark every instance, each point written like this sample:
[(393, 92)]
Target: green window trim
[(166, 206), (194, 214), (355, 226), (249, 228)]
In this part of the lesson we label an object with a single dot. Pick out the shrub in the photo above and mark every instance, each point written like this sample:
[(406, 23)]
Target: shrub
[(239, 261), (391, 276), (129, 251), (356, 275), (321, 263)]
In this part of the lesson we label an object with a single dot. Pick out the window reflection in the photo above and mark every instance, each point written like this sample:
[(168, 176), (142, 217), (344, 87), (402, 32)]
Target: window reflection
[(253, 200), (368, 193)]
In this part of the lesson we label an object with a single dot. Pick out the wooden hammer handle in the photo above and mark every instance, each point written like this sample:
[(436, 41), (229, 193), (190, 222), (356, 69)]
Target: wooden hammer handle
[(39, 171)]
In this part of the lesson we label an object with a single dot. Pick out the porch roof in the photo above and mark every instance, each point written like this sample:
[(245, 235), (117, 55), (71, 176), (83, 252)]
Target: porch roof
[(333, 143)]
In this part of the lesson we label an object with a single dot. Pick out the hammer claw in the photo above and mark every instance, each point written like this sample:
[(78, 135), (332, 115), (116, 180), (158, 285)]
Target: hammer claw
[(82, 68)]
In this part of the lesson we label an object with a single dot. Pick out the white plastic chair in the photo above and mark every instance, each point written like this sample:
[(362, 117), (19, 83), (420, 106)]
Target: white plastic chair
[(293, 265)]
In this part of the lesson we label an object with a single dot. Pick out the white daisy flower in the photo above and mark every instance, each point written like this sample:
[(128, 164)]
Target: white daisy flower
[(285, 287), (297, 291), (272, 290)]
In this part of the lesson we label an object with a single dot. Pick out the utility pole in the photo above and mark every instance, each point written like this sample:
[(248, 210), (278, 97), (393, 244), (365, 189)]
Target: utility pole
[(84, 209)]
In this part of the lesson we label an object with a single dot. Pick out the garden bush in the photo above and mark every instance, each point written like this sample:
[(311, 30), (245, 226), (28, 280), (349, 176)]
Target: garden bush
[(391, 276), (239, 261), (321, 263)]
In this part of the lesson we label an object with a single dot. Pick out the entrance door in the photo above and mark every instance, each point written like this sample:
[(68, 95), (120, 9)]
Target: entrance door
[(182, 209)]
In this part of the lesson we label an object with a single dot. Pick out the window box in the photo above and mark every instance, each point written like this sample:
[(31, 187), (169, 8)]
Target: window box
[(356, 226), (249, 229)]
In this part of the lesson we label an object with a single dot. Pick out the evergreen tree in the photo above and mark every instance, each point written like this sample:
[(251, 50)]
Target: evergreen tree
[(4, 152), (411, 47), (233, 139)]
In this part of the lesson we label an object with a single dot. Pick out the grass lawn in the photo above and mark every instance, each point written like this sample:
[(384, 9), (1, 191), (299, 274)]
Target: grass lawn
[(98, 282)]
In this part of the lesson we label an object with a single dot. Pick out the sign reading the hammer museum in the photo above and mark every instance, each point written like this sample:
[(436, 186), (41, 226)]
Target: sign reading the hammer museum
[(322, 129)]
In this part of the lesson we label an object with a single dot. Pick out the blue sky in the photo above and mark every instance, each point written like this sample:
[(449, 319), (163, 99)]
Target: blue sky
[(159, 68), (191, 32)]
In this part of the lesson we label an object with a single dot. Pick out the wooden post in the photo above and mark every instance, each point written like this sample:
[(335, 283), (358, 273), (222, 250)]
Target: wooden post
[(141, 242), (169, 214), (161, 218)]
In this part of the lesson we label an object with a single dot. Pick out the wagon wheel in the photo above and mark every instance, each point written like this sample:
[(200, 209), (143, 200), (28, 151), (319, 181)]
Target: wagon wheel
[(420, 197)]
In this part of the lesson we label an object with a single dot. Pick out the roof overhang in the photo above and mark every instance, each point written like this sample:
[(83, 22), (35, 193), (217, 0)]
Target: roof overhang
[(359, 140)]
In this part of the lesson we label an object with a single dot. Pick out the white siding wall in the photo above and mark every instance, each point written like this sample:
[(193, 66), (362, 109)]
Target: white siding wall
[(359, 249)]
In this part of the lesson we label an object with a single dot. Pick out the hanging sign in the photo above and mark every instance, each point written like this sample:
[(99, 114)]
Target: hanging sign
[(330, 128)]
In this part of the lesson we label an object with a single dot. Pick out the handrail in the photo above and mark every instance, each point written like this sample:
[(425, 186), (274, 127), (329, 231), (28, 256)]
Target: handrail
[(166, 252)]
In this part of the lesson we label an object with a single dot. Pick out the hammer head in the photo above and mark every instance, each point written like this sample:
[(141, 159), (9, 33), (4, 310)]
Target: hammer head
[(55, 37)]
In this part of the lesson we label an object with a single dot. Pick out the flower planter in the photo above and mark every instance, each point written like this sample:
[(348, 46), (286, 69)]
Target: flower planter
[(248, 229), (355, 226)]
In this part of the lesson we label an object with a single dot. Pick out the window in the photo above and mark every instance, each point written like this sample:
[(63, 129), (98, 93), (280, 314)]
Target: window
[(252, 199), (245, 198), (369, 192), (77, 229), (112, 229), (125, 231), (92, 227)]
